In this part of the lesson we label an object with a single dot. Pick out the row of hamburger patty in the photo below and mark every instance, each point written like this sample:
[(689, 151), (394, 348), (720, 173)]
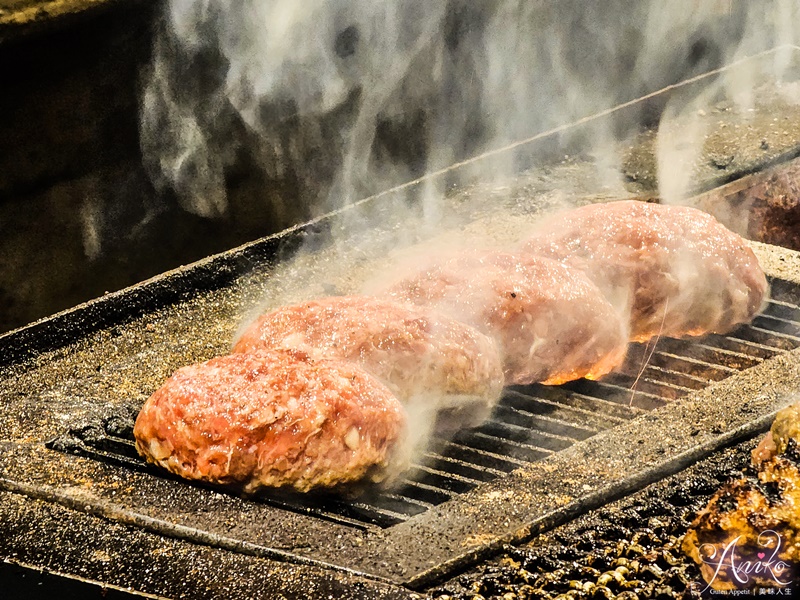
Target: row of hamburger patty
[(346, 388)]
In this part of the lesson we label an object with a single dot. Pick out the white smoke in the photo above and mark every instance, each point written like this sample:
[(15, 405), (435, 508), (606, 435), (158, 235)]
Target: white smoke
[(758, 57), (345, 99)]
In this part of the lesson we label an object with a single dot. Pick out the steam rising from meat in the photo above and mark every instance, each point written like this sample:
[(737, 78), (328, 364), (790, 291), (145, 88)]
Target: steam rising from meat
[(348, 98), (423, 357), (551, 322)]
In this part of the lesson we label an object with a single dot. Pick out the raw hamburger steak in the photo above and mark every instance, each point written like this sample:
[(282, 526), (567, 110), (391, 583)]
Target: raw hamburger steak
[(422, 357), (551, 322), (272, 419), (676, 270)]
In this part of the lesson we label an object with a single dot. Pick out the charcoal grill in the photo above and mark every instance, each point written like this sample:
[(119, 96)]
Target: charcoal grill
[(530, 423), (73, 382), (547, 454)]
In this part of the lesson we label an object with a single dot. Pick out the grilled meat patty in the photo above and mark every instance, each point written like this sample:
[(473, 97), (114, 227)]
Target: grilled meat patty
[(424, 358), (676, 270), (271, 419), (551, 322)]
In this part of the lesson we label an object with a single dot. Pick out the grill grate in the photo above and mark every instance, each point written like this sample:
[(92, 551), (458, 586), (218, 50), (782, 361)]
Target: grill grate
[(529, 423)]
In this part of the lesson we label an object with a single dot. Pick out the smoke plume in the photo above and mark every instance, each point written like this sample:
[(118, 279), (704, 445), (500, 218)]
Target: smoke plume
[(345, 99)]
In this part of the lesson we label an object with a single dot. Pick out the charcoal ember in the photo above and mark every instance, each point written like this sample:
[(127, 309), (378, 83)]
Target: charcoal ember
[(494, 584), (90, 433), (584, 543), (667, 559), (693, 591), (658, 528), (588, 572), (658, 507), (634, 550), (65, 443), (542, 563), (568, 553), (687, 492), (699, 486), (611, 531), (630, 518), (530, 593), (663, 592), (601, 591), (651, 572), (120, 425), (676, 578)]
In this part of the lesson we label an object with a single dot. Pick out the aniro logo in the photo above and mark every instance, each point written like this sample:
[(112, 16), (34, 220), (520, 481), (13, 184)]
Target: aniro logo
[(731, 563)]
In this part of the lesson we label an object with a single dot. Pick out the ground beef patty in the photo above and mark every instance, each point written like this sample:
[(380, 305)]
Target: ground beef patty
[(271, 419), (421, 356), (676, 270), (551, 322)]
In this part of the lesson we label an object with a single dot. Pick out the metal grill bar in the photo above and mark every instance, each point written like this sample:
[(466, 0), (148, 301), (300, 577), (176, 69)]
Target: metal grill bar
[(452, 482), (499, 462), (652, 381), (760, 335), (748, 347), (568, 414), (706, 353), (618, 388), (492, 443), (530, 422), (429, 493)]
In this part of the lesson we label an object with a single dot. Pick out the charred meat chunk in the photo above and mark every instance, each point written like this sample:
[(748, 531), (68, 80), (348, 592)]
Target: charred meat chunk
[(749, 533)]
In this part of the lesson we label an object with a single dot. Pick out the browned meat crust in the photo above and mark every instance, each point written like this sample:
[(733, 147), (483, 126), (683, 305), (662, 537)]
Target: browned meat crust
[(754, 522), (272, 419), (551, 322), (420, 355), (747, 522), (676, 269)]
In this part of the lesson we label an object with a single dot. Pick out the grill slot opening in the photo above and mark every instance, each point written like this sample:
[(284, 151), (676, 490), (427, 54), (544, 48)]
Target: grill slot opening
[(530, 422)]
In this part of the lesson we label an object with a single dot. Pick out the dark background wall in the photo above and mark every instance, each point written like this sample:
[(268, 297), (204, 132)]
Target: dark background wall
[(78, 213)]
